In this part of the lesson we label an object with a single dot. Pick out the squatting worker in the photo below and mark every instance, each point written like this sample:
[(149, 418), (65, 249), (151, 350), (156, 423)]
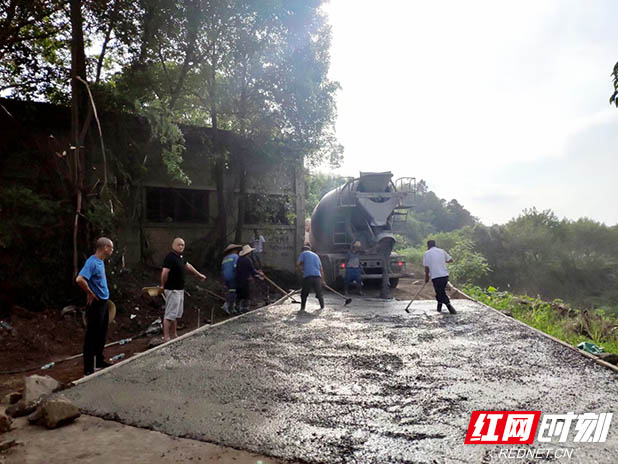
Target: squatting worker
[(91, 279), (173, 283), (435, 260), (313, 276)]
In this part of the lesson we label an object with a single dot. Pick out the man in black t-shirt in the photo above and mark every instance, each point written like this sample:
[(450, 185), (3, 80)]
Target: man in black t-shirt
[(173, 283)]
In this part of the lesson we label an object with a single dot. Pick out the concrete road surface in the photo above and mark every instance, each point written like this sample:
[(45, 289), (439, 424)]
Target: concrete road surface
[(366, 383)]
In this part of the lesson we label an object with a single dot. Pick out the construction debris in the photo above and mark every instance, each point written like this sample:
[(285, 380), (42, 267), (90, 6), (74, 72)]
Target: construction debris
[(38, 386), (54, 412), (5, 423), (20, 409), (11, 398)]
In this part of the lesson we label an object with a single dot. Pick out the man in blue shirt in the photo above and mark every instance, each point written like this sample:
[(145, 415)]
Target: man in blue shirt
[(313, 276), (92, 281)]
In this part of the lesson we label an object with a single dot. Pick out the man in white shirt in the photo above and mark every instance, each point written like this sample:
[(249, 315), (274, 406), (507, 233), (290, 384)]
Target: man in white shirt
[(435, 260), (257, 243)]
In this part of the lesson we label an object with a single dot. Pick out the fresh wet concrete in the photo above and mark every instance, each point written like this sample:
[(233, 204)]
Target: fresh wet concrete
[(364, 383)]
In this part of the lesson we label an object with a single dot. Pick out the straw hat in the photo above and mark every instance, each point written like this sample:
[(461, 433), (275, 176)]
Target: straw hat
[(231, 246), (245, 250)]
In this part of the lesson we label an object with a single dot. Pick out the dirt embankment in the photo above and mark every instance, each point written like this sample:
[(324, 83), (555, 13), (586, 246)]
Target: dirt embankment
[(30, 340)]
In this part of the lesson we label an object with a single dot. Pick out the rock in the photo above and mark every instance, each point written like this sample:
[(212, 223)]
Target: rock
[(11, 398), (5, 445), (37, 386), (70, 310), (609, 357), (155, 342), (20, 312), (54, 412), (5, 423), (20, 409)]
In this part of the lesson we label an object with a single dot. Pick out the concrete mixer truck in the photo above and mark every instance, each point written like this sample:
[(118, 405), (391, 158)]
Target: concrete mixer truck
[(368, 209)]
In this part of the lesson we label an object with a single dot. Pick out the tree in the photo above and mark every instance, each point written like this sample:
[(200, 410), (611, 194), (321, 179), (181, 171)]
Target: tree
[(614, 96)]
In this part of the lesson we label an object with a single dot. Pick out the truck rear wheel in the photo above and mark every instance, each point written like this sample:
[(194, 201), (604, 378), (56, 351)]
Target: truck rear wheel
[(393, 282)]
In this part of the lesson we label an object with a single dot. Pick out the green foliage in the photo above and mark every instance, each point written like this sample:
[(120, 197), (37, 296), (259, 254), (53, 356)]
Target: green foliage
[(24, 215), (554, 318), (413, 258), (317, 185), (169, 136), (539, 254), (613, 99), (34, 245), (469, 265)]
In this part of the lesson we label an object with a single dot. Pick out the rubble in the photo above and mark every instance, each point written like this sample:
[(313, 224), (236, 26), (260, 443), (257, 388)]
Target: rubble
[(20, 409), (8, 444), (54, 412), (37, 386), (11, 398), (611, 358), (5, 423)]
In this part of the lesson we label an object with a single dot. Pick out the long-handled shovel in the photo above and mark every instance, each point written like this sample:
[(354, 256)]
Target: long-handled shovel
[(280, 289), (415, 296), (347, 300)]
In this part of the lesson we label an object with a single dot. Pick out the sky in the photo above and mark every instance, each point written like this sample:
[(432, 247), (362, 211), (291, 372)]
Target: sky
[(500, 105)]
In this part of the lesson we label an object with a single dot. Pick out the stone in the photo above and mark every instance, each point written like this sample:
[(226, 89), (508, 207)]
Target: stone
[(20, 409), (54, 412), (11, 398), (5, 445), (5, 423), (37, 386), (22, 313), (70, 310), (609, 357), (155, 341)]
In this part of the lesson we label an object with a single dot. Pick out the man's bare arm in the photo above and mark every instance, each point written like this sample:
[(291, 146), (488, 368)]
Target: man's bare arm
[(426, 274), (164, 274), (190, 267), (83, 284)]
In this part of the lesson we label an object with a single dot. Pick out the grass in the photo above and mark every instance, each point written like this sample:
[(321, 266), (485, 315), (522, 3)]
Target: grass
[(555, 318)]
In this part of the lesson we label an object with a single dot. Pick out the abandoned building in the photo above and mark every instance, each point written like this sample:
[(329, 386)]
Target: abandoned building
[(158, 207)]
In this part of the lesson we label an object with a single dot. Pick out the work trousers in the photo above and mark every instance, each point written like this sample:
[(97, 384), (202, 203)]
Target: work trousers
[(96, 334), (311, 283), (439, 285)]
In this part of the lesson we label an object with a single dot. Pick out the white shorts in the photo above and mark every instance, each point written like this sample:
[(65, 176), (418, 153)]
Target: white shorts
[(174, 304)]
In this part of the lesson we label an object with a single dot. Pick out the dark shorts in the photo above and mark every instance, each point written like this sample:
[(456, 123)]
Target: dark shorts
[(352, 274)]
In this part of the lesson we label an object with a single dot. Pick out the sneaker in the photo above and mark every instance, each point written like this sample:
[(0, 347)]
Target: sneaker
[(451, 309), (88, 372)]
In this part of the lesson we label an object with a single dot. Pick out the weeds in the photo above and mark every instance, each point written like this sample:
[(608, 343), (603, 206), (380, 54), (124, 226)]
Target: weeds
[(555, 318)]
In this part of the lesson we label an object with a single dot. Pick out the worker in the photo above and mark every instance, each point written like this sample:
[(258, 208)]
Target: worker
[(435, 260), (93, 282), (173, 284), (228, 272), (244, 271), (353, 268), (313, 276), (258, 246)]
